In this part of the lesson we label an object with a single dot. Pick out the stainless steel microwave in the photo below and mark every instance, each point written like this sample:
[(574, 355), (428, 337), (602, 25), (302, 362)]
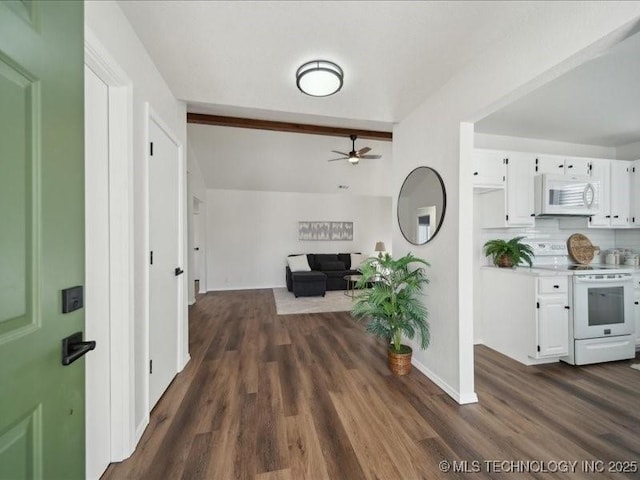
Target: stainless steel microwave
[(576, 195)]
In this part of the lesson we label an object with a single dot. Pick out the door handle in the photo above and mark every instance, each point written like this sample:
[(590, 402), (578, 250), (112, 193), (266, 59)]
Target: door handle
[(73, 347), (179, 271)]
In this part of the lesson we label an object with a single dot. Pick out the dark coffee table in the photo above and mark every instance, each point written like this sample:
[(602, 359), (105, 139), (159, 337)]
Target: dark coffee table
[(351, 284)]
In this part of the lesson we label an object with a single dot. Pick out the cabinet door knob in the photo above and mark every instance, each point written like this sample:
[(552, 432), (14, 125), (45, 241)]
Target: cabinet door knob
[(569, 166), (475, 173), (556, 286), (615, 216), (567, 307)]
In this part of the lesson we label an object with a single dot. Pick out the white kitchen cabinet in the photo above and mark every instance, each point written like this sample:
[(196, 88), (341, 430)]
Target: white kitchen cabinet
[(601, 171), (561, 165), (553, 326), (636, 311), (619, 191), (614, 193), (489, 169), (513, 206), (635, 194), (636, 307), (520, 172), (523, 315)]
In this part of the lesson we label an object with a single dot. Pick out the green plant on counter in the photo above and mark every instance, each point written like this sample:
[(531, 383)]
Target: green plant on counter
[(508, 253)]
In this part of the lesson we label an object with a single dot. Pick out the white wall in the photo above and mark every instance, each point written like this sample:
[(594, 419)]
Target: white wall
[(250, 234), (628, 152), (246, 159), (543, 46), (111, 28), (535, 145)]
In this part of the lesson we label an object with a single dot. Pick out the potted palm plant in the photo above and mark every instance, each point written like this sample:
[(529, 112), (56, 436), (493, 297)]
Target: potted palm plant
[(508, 253), (391, 305)]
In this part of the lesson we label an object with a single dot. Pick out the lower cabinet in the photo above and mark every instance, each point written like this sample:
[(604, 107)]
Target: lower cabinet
[(523, 315), (636, 311), (553, 326)]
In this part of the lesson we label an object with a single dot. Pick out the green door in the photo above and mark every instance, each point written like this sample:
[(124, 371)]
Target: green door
[(41, 237)]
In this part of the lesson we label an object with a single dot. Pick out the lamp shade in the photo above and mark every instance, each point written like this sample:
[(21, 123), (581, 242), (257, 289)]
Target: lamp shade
[(319, 78), (380, 247)]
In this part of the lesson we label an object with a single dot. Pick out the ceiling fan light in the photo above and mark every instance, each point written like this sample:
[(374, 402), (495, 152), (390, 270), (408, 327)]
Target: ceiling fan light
[(353, 160), (319, 78)]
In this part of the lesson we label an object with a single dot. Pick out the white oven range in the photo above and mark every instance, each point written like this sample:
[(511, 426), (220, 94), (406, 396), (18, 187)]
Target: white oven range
[(602, 324)]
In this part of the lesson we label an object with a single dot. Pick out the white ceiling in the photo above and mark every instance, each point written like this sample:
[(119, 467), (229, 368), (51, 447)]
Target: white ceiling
[(597, 103), (239, 58)]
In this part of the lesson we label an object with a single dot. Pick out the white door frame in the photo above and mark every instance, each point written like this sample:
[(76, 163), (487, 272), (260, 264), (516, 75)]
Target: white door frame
[(97, 58), (201, 219), (182, 336)]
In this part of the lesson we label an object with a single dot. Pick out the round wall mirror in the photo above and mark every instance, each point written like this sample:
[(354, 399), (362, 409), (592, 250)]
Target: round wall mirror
[(421, 205)]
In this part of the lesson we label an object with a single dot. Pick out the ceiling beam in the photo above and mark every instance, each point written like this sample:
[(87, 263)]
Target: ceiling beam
[(223, 121)]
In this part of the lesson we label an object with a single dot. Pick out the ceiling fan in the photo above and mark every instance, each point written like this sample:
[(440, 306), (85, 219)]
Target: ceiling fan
[(354, 156)]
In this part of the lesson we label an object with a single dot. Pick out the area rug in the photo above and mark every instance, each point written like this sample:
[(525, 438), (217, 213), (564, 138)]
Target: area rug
[(334, 301), (635, 365)]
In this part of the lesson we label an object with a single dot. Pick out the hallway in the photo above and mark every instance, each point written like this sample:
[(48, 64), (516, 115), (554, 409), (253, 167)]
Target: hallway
[(310, 396)]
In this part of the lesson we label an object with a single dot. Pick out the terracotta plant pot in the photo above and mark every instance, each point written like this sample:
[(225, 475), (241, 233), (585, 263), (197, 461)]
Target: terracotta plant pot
[(504, 261), (399, 363)]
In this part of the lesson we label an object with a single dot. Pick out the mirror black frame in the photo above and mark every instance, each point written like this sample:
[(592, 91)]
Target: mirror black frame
[(444, 205)]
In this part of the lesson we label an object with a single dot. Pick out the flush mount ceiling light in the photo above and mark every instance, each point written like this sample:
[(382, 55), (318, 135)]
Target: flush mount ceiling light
[(319, 78)]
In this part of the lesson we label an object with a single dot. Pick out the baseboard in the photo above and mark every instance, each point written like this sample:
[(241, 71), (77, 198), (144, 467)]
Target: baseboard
[(260, 287), (140, 430), (462, 399), (185, 361)]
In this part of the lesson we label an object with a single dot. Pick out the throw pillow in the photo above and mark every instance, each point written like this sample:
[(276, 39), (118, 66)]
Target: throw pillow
[(298, 263), (356, 260), (332, 266)]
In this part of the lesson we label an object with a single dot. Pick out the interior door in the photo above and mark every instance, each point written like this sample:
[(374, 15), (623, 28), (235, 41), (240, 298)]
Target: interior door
[(97, 277), (197, 260), (41, 238), (164, 203)]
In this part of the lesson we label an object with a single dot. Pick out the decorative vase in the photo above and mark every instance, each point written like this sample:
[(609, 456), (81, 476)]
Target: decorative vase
[(399, 363), (504, 261)]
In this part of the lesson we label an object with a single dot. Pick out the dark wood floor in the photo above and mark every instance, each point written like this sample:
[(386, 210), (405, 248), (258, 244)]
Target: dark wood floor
[(310, 397)]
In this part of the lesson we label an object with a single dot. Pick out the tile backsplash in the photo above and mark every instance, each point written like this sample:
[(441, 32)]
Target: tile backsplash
[(559, 230)]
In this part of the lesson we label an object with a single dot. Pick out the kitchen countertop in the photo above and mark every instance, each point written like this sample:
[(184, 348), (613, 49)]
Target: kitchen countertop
[(535, 272), (548, 270)]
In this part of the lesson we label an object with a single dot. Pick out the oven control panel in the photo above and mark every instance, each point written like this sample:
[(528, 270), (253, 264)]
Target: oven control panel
[(602, 277), (557, 249)]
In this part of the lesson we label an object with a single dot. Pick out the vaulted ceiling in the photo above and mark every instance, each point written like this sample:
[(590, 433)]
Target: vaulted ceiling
[(239, 58)]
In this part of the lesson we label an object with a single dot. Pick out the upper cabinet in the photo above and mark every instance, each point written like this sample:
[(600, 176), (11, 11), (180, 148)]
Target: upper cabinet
[(614, 193), (504, 182), (489, 169), (635, 196), (520, 201), (511, 206), (561, 165)]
